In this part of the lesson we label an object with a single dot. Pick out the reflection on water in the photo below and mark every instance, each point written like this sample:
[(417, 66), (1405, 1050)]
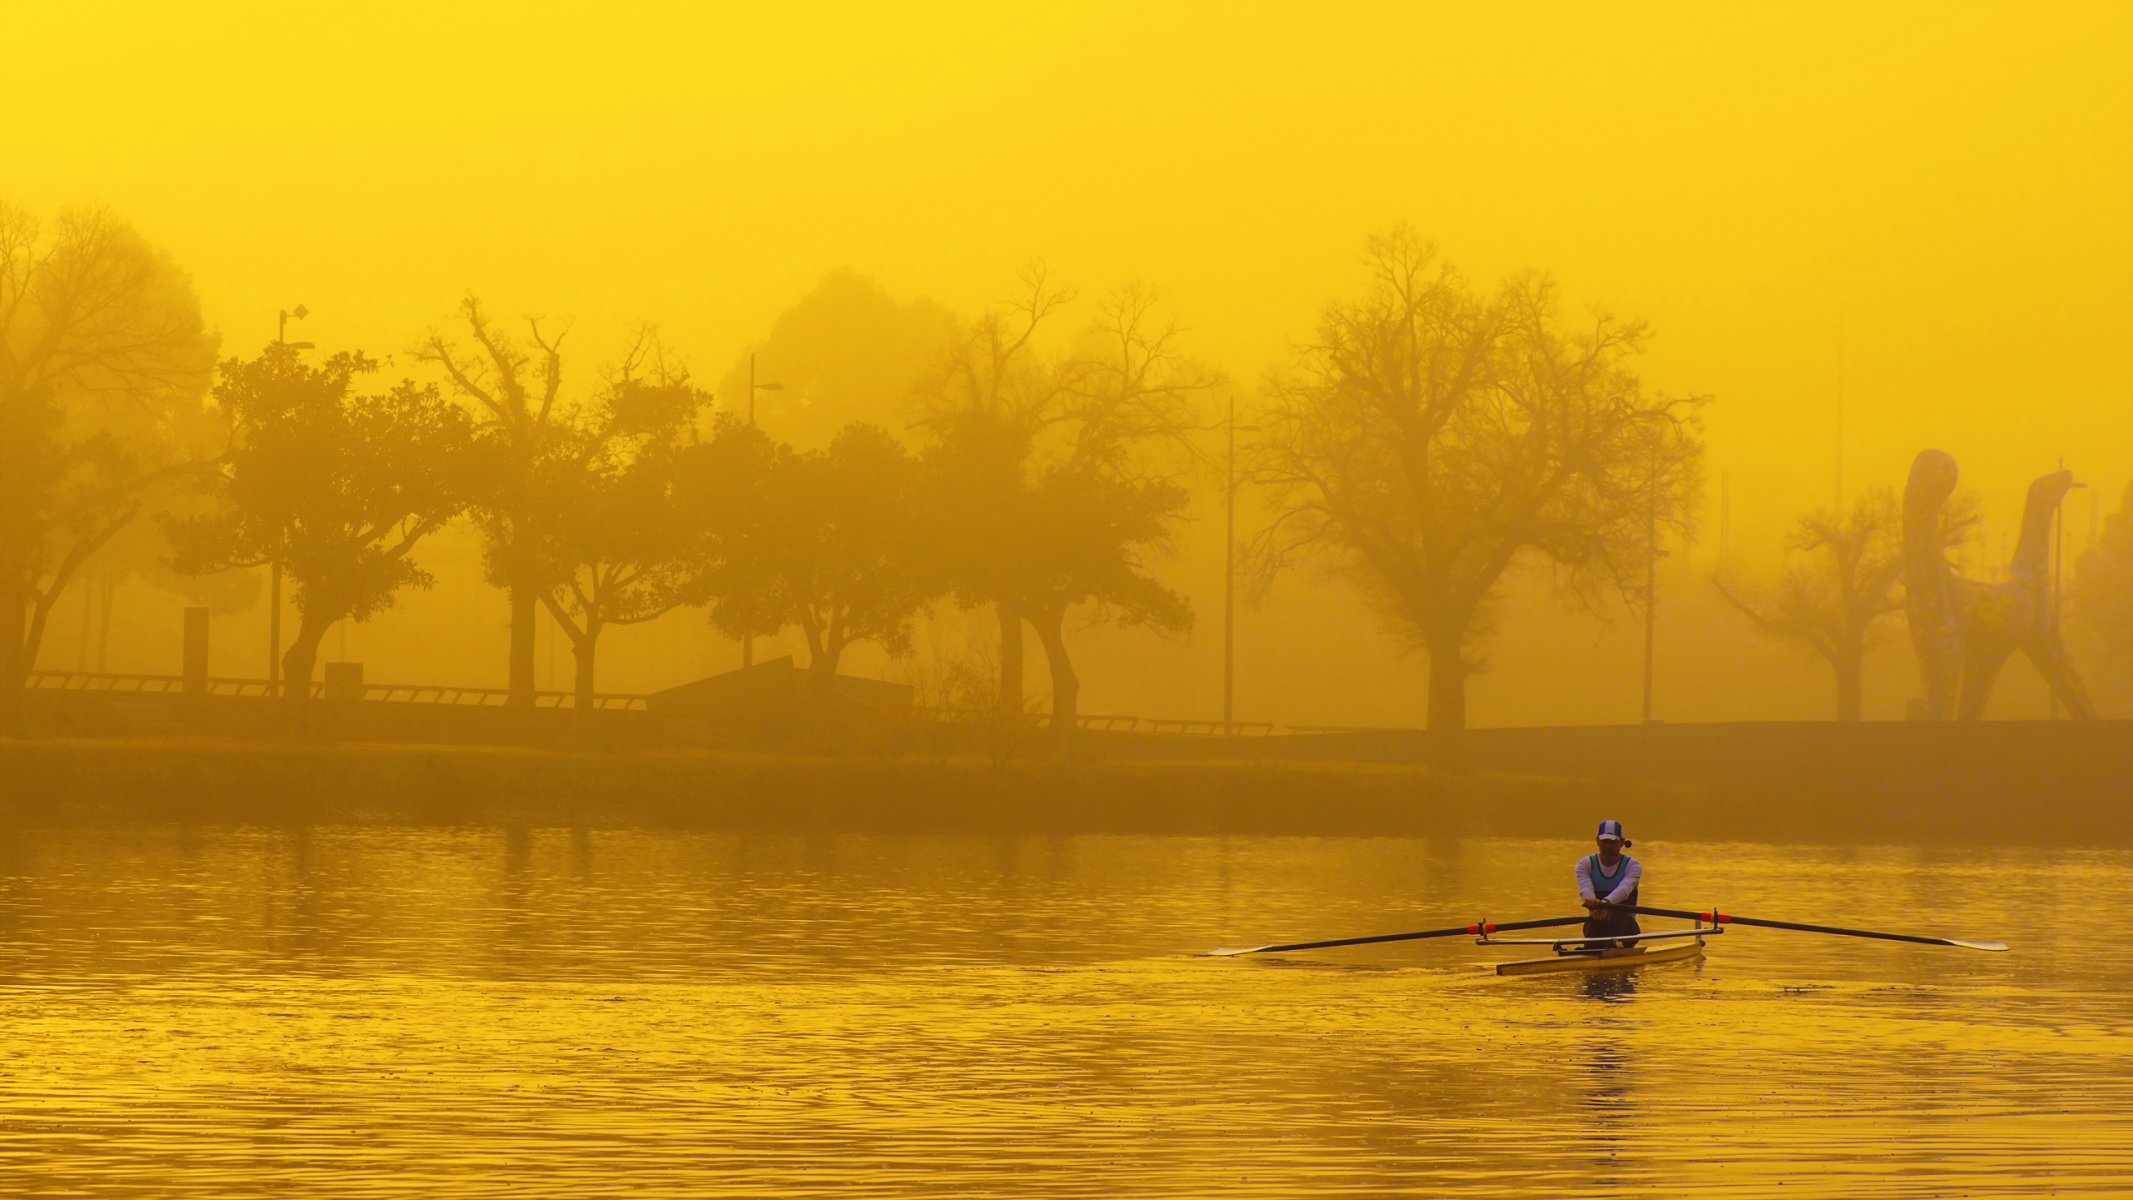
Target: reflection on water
[(350, 1012)]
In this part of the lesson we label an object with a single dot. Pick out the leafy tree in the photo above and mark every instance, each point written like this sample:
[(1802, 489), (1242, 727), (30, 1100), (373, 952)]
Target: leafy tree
[(1431, 436), (831, 541), (336, 487), (1048, 475), (104, 363), (844, 353), (1097, 532), (614, 540)]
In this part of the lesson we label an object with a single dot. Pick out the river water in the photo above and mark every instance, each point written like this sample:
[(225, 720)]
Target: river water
[(398, 1011)]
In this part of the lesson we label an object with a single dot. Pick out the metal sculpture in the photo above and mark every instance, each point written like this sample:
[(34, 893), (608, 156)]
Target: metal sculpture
[(1964, 630)]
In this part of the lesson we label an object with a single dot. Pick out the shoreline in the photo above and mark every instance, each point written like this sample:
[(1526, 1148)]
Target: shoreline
[(80, 782)]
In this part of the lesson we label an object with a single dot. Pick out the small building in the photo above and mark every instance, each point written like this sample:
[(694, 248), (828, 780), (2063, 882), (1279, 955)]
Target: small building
[(775, 703)]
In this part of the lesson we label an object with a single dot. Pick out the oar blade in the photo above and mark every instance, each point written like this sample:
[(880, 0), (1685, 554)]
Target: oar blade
[(1478, 927), (1718, 918)]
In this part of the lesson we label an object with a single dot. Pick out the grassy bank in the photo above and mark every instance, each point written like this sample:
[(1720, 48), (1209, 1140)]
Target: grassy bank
[(78, 781)]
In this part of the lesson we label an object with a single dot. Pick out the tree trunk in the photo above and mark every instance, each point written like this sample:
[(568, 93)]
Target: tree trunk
[(106, 593), (39, 613), (88, 617), (297, 663), (14, 652), (1848, 690), (582, 648), (1010, 662), (1066, 689), (525, 598), (822, 668), (1447, 711)]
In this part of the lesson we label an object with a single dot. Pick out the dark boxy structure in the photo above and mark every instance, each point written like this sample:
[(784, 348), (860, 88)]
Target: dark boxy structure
[(772, 703)]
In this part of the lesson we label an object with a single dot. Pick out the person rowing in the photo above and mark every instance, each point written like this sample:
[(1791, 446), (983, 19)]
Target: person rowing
[(1607, 882)]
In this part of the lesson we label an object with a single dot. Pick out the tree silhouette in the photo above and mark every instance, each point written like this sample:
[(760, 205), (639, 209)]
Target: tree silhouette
[(104, 363), (845, 353), (336, 487), (1834, 602), (613, 541), (525, 437), (1048, 473), (1431, 436), (830, 541)]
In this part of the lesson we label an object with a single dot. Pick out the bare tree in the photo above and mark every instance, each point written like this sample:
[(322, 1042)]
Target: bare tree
[(990, 398), (523, 430), (1430, 436), (1050, 473), (1834, 600), (104, 362)]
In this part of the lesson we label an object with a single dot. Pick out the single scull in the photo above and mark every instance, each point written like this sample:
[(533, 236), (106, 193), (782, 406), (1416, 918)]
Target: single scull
[(1607, 953)]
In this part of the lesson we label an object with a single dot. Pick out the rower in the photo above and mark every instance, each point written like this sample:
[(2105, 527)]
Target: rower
[(1607, 880)]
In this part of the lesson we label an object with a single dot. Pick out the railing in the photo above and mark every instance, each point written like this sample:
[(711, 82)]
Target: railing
[(408, 693), (1109, 722), (396, 693), (480, 697), (1213, 728), (83, 681)]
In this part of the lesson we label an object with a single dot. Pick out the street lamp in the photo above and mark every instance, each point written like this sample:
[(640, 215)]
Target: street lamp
[(1651, 583), (748, 639), (754, 387), (281, 331), (1229, 579)]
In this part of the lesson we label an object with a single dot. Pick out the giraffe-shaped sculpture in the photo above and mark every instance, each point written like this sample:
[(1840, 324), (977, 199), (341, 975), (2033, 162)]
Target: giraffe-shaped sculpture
[(1964, 630)]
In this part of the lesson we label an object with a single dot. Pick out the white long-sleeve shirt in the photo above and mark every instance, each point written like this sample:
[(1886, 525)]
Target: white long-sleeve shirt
[(1625, 883)]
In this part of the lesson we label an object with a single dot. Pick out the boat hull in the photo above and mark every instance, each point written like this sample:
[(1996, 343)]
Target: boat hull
[(1606, 960)]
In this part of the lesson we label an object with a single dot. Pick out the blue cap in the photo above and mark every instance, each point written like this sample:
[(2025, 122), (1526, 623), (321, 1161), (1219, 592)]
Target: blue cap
[(1611, 830)]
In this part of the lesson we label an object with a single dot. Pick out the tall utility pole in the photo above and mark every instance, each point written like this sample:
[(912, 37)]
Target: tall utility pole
[(1651, 583), (281, 332), (1229, 579), (748, 639), (1839, 453), (2058, 565)]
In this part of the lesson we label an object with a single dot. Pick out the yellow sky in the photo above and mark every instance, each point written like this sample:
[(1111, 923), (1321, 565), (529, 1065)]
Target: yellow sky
[(1914, 212)]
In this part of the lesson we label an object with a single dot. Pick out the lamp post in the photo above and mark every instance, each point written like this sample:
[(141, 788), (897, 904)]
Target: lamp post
[(281, 331), (1651, 584), (1229, 579), (748, 639)]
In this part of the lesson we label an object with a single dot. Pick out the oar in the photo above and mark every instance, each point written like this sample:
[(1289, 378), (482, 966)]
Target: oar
[(1719, 918), (1476, 929)]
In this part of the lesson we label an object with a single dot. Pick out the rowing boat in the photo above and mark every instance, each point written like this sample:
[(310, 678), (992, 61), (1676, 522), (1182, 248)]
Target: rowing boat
[(1610, 953), (1626, 958), (1624, 953)]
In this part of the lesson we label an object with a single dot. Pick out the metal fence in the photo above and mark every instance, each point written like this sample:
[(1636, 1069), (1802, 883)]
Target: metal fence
[(479, 697), (398, 693)]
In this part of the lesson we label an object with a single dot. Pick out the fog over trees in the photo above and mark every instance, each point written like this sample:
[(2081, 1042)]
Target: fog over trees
[(1432, 435), (1845, 581), (334, 485), (104, 361), (1034, 464)]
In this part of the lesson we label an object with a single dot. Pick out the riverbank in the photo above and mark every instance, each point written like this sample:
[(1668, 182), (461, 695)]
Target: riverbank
[(1880, 792)]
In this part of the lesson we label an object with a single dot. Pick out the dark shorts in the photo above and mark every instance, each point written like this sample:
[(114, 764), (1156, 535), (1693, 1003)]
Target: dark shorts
[(1605, 923)]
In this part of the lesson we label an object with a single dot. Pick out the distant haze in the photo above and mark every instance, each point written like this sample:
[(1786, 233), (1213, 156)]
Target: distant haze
[(1865, 230)]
